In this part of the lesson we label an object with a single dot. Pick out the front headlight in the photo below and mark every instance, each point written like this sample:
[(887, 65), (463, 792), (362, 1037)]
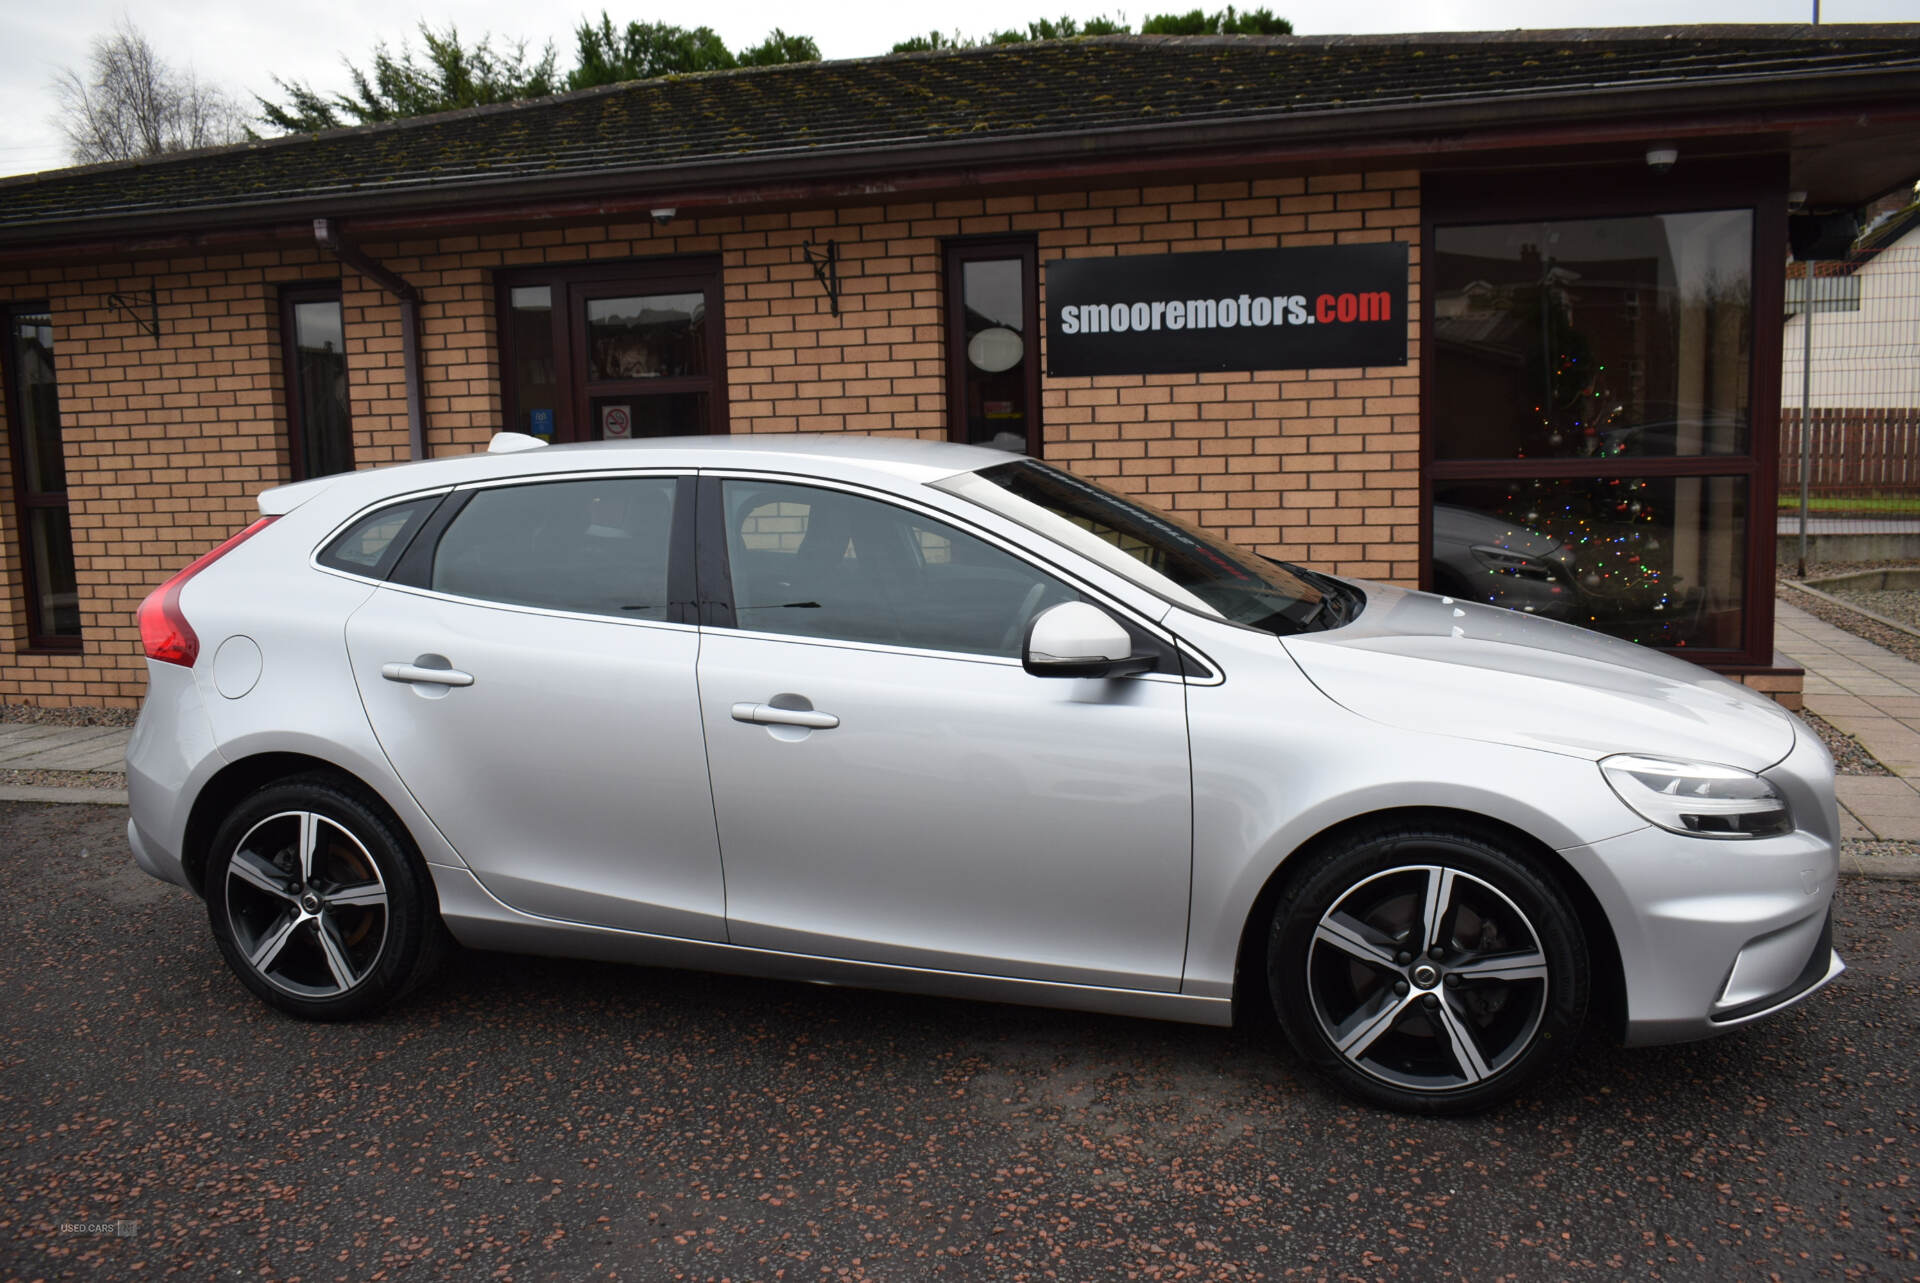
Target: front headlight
[(1700, 799)]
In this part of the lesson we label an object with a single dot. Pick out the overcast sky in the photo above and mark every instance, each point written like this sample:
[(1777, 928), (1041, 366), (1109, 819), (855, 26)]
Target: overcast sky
[(240, 44)]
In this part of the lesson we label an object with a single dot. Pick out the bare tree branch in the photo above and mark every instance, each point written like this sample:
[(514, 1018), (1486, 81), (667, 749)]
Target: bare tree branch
[(131, 103)]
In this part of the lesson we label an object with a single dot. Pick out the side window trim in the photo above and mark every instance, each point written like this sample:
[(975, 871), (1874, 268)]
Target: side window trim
[(716, 604)]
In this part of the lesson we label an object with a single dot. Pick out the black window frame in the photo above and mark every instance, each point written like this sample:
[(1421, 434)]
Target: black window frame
[(957, 254), (291, 296), (25, 499), (572, 286)]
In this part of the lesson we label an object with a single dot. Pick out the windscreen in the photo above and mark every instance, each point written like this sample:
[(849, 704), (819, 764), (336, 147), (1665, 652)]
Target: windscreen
[(1155, 549)]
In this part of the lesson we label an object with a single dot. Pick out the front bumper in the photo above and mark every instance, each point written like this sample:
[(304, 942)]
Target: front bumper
[(1717, 934)]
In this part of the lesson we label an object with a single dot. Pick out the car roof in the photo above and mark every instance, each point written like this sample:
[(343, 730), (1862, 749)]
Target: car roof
[(898, 459)]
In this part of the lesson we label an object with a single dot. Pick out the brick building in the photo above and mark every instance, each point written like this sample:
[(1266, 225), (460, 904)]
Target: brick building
[(1578, 414)]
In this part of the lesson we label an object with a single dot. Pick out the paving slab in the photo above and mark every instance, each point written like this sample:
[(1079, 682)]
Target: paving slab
[(1868, 692), (63, 748), (1859, 788), (1894, 826), (21, 739), (95, 752)]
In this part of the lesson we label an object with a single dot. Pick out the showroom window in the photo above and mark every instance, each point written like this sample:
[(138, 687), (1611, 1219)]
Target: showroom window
[(993, 345), (49, 576), (314, 352), (1592, 447), (614, 352)]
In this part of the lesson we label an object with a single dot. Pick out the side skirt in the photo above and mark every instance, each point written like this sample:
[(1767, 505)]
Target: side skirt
[(480, 921)]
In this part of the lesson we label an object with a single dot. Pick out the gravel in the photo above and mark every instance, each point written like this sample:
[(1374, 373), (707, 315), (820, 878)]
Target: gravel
[(544, 1119), (34, 715), (1901, 605), (1849, 757), (1881, 859), (66, 779)]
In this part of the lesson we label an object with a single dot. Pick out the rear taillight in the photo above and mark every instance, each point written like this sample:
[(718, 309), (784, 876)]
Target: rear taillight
[(164, 631)]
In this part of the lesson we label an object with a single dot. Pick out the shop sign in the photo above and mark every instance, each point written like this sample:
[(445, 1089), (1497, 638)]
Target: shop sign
[(1325, 307)]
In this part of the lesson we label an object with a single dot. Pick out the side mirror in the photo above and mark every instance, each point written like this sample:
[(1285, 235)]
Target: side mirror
[(1075, 639)]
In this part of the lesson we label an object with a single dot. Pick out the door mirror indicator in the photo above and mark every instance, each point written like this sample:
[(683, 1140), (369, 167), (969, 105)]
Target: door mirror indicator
[(1075, 639)]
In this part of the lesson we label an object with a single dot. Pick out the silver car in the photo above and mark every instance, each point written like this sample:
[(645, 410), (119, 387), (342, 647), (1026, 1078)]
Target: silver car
[(931, 717)]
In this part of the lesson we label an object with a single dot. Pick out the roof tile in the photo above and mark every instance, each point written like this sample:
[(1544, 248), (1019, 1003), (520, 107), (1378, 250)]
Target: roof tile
[(951, 97)]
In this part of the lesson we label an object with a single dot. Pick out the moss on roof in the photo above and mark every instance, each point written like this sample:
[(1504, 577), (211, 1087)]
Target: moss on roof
[(676, 125)]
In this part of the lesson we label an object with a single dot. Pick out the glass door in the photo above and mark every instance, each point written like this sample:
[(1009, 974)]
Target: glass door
[(611, 353), (643, 358)]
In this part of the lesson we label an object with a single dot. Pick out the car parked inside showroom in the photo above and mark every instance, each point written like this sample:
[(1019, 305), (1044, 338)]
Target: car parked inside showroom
[(931, 717)]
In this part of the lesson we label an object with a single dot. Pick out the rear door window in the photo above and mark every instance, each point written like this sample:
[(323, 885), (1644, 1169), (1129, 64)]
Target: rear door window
[(598, 546)]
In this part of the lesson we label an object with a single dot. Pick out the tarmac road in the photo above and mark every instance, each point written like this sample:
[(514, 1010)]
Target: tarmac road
[(535, 1119)]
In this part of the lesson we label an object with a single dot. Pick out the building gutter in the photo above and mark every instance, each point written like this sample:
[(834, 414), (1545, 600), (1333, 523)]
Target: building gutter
[(330, 240)]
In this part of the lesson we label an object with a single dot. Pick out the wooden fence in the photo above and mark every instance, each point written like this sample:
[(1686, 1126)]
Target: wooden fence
[(1855, 451)]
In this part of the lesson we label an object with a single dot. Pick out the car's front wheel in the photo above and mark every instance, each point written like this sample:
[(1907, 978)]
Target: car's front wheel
[(1427, 970), (318, 904)]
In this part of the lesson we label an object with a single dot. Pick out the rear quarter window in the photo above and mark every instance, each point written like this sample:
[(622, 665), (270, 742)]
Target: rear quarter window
[(372, 544)]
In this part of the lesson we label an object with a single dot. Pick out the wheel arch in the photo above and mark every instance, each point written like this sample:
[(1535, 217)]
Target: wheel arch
[(1251, 999), (232, 783)]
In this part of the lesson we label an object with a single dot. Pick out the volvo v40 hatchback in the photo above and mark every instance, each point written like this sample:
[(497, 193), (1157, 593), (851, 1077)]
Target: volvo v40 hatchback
[(931, 717)]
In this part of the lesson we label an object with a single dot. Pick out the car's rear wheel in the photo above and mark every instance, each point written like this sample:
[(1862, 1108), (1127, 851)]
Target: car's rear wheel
[(318, 904), (1427, 970)]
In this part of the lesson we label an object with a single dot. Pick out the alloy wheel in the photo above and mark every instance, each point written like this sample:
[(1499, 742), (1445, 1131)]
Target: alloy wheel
[(307, 904), (1427, 977)]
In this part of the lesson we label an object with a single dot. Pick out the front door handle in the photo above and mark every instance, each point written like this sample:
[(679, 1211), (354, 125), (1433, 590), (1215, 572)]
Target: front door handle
[(768, 715), (416, 675)]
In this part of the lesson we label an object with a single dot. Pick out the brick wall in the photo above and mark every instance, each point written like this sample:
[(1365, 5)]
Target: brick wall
[(168, 440), (1309, 465), (1785, 688)]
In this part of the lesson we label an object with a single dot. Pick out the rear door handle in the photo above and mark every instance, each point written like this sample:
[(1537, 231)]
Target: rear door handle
[(414, 674), (768, 715)]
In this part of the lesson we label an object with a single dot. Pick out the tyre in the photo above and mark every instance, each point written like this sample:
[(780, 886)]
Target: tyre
[(318, 903), (1427, 970)]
